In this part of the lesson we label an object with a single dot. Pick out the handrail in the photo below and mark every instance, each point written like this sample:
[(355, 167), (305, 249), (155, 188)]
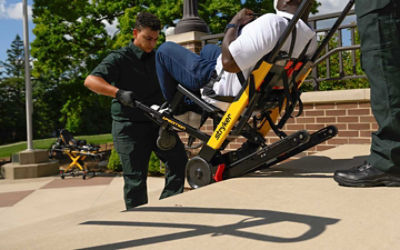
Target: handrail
[(328, 16), (335, 50)]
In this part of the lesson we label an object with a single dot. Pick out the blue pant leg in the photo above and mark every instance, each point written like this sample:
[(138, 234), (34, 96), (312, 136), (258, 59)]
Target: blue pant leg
[(176, 64), (210, 52)]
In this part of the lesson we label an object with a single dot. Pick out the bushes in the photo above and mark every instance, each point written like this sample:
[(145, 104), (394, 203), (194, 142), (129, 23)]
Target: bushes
[(114, 162), (155, 166)]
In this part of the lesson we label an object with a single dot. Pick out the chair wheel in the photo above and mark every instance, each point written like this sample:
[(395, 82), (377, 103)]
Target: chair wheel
[(198, 172)]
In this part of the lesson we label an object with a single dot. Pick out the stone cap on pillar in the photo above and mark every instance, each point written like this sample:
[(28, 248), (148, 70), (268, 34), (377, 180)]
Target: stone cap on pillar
[(192, 36)]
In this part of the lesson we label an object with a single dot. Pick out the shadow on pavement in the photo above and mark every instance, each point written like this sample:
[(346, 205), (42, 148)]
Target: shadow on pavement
[(310, 166), (315, 225)]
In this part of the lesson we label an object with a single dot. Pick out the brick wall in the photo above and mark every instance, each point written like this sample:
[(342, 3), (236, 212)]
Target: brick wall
[(354, 121)]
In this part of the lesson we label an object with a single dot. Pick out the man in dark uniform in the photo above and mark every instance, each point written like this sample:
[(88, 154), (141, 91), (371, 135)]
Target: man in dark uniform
[(379, 29), (128, 74)]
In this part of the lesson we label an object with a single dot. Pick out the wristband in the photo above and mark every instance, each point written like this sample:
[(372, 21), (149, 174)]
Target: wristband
[(230, 25)]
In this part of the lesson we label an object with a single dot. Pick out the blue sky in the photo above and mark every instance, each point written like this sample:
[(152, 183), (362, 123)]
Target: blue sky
[(11, 20), (11, 24)]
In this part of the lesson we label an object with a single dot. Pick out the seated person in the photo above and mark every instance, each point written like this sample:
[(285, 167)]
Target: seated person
[(176, 64)]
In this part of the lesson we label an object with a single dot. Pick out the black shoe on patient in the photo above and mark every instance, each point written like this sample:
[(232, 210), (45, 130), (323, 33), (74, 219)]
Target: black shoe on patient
[(366, 176)]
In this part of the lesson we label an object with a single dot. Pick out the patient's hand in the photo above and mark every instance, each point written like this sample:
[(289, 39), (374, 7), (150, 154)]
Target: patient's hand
[(243, 17)]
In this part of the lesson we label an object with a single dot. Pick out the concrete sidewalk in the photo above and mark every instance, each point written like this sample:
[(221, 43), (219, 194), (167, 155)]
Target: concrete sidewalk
[(296, 205)]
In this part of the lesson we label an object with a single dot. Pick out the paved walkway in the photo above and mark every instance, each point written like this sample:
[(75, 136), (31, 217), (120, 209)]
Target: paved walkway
[(296, 205)]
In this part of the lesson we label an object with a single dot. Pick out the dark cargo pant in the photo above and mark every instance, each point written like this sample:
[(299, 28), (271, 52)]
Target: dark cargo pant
[(134, 142), (380, 47)]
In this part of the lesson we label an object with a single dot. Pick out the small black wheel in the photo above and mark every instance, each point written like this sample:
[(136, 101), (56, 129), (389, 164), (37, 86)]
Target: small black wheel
[(198, 172), (84, 176), (166, 140), (62, 174)]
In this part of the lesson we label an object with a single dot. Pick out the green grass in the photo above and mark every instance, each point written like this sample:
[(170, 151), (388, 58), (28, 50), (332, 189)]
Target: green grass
[(9, 149)]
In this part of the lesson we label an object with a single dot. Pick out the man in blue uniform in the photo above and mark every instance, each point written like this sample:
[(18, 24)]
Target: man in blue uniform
[(129, 74), (379, 29)]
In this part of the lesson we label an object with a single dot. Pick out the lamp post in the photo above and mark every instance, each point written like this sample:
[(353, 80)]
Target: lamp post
[(28, 85), (191, 20)]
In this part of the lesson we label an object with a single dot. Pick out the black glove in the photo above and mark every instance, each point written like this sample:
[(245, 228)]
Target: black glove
[(126, 98)]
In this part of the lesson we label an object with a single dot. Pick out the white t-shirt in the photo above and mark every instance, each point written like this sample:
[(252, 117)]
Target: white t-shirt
[(257, 39)]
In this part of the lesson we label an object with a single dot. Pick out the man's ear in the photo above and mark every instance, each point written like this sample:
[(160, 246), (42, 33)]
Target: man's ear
[(135, 33)]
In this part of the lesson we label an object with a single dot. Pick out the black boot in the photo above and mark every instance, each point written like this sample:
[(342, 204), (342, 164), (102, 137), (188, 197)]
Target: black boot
[(366, 176)]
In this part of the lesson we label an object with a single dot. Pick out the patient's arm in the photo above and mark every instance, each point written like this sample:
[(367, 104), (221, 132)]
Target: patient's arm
[(241, 18)]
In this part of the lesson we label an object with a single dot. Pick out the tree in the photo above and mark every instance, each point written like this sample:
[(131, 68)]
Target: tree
[(12, 94), (70, 40)]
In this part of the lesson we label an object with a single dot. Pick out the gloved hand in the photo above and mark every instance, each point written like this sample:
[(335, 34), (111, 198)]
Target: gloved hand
[(126, 98)]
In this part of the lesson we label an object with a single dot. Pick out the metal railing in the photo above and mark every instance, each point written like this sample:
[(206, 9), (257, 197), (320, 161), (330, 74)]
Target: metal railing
[(316, 76)]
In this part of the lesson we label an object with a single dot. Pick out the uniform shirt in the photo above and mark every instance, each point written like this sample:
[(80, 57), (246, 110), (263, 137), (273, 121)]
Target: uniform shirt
[(256, 40), (364, 7), (130, 68)]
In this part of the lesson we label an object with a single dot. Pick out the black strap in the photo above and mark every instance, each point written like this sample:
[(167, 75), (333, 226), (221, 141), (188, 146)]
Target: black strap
[(292, 42), (296, 95), (241, 78), (276, 130), (252, 87), (300, 104), (289, 99)]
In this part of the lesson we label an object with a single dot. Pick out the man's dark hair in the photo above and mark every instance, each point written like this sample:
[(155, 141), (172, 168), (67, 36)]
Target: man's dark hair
[(147, 20)]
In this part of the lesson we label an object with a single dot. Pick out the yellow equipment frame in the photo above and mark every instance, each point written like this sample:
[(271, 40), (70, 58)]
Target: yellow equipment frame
[(75, 156)]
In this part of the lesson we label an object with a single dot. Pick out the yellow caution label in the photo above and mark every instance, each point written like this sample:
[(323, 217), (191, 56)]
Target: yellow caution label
[(174, 123)]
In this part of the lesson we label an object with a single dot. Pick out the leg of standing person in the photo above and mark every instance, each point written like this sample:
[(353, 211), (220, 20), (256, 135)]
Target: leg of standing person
[(134, 142), (380, 47), (175, 161), (382, 66), (176, 64)]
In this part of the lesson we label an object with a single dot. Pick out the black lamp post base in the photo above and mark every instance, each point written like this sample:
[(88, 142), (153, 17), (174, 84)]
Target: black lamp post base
[(191, 24)]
